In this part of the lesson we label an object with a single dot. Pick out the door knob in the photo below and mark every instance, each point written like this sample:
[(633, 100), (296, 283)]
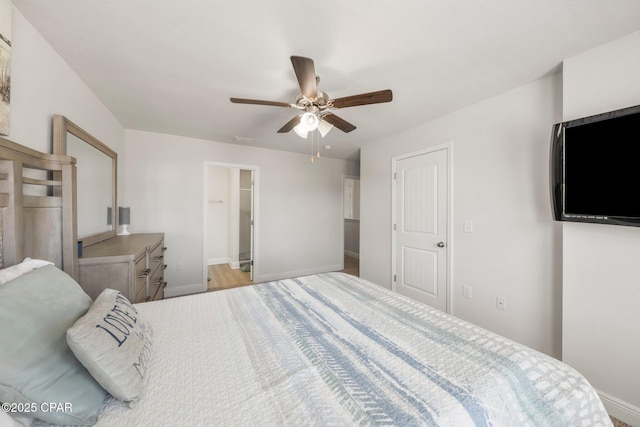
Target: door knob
[(441, 244)]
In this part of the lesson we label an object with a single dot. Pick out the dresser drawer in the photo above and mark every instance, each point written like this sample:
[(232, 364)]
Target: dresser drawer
[(141, 272), (157, 266), (156, 288), (156, 258)]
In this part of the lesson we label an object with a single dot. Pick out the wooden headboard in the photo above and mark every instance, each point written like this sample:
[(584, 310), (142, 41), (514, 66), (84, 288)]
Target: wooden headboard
[(37, 207)]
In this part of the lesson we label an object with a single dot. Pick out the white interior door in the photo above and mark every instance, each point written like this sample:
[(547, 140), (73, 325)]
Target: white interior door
[(421, 184)]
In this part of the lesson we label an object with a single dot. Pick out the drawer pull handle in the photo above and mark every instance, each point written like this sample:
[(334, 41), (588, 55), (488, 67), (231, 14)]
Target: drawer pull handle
[(158, 258), (145, 273)]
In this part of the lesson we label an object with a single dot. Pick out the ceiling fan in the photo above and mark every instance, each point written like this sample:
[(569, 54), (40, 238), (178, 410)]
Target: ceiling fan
[(315, 106)]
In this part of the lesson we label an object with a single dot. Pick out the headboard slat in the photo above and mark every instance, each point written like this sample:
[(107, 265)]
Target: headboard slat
[(41, 202), (33, 222), (45, 182)]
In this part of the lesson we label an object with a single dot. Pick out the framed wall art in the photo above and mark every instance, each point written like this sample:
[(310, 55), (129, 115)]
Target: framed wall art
[(5, 65)]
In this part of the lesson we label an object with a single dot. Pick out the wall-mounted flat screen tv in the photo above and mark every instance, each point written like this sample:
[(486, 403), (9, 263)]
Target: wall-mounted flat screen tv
[(595, 168)]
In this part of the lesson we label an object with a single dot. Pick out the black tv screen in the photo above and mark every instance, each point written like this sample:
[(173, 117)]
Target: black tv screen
[(595, 168)]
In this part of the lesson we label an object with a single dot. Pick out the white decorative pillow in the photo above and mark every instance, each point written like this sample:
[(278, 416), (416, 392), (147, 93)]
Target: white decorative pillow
[(114, 343), (18, 270)]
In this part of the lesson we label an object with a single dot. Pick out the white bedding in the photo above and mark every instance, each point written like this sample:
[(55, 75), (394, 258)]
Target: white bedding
[(333, 349)]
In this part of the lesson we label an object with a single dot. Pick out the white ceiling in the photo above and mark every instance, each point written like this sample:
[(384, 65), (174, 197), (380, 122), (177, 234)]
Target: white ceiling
[(170, 66)]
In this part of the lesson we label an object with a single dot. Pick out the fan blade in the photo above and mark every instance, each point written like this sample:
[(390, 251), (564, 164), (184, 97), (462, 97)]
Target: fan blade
[(341, 124), (259, 102), (306, 74), (290, 124), (364, 99)]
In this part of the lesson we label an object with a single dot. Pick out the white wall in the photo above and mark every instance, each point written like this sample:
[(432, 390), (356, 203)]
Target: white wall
[(601, 269), (500, 181), (43, 85), (299, 205), (218, 211)]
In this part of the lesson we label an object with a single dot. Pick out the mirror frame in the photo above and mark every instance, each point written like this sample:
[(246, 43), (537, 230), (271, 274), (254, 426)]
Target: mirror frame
[(61, 127)]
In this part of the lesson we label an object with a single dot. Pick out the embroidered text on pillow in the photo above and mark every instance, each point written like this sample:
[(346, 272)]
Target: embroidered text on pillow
[(143, 360), (119, 322)]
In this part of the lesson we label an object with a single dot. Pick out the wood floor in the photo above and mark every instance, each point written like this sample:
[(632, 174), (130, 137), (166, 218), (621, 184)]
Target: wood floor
[(351, 266), (222, 276), (617, 423)]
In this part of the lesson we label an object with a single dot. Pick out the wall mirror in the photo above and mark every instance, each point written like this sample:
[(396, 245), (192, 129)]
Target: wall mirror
[(96, 180)]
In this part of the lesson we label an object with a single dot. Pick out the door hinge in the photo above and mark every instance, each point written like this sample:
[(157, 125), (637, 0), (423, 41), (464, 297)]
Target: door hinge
[(394, 277), (394, 227), (395, 175)]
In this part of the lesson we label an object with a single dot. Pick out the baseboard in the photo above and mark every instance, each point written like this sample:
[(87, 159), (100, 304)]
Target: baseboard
[(216, 261), (296, 273), (623, 411), (352, 254), (176, 291)]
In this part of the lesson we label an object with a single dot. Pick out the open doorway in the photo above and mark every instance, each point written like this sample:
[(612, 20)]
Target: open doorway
[(229, 226), (351, 215), (245, 224)]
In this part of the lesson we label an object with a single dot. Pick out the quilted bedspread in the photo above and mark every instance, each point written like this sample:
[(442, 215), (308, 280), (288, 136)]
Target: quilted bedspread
[(333, 349)]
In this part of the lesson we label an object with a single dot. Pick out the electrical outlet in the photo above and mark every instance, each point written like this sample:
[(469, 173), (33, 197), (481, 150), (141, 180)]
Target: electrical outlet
[(501, 303), (466, 291)]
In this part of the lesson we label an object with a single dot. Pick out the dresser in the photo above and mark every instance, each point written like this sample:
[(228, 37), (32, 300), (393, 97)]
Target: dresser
[(133, 265)]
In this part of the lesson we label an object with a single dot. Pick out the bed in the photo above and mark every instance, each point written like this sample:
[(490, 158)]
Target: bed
[(326, 349)]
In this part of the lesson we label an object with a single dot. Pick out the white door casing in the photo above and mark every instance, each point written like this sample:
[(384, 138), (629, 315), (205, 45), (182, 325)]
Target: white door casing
[(420, 249)]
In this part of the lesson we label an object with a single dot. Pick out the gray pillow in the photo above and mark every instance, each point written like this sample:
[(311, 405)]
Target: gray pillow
[(114, 343), (37, 366)]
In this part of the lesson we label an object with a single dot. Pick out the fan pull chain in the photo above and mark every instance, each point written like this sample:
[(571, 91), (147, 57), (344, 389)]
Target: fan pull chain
[(311, 158), (313, 134)]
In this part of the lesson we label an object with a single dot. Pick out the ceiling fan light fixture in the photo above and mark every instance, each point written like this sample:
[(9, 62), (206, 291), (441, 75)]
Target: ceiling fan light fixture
[(309, 122), (324, 128), (301, 131), (314, 106)]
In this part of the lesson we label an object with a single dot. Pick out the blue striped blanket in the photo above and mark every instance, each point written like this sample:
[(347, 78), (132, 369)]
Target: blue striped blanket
[(333, 349)]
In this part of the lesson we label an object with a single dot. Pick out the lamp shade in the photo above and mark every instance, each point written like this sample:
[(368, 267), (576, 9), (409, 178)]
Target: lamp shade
[(324, 128), (309, 121), (124, 215), (302, 133)]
